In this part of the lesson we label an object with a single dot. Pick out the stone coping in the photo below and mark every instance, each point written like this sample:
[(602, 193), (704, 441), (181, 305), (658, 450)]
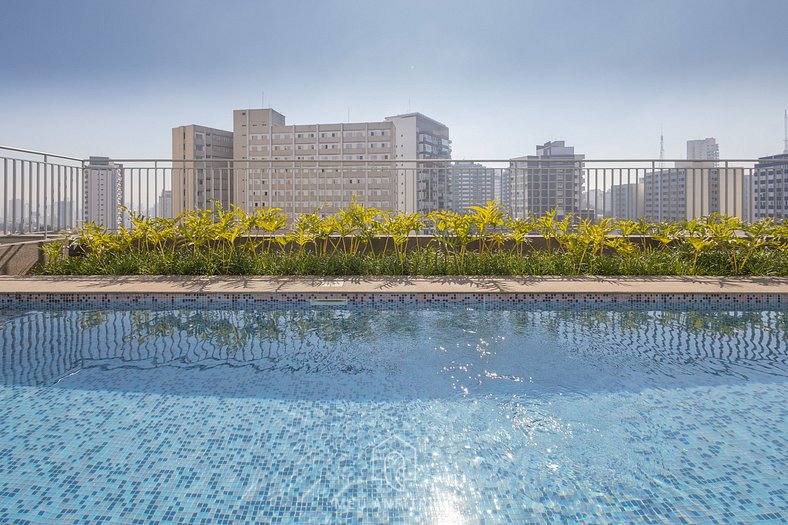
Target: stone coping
[(399, 285)]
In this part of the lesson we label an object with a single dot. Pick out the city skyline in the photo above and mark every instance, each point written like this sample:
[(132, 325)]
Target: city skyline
[(502, 76)]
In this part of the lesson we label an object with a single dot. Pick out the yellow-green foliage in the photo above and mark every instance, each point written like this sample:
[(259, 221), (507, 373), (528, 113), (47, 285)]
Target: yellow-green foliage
[(484, 239)]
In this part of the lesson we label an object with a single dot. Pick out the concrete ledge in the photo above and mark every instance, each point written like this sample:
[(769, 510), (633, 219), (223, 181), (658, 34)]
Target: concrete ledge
[(17, 258), (399, 285)]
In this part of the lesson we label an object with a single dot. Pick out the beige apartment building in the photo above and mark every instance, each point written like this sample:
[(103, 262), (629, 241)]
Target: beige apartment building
[(201, 171), (264, 162), (675, 194), (301, 168), (696, 187)]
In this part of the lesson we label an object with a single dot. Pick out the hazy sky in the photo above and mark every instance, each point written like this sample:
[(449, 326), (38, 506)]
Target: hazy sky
[(112, 77)]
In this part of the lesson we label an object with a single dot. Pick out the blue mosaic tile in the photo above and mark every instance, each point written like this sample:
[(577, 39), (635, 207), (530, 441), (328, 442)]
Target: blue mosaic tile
[(251, 409), (680, 301)]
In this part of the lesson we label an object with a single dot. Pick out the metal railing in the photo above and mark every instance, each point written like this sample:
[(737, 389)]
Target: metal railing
[(43, 193)]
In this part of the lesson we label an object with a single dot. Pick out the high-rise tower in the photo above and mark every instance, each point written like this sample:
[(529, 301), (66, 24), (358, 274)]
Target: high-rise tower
[(103, 192), (198, 177), (550, 180)]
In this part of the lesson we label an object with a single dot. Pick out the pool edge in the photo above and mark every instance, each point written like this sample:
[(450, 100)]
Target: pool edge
[(391, 285)]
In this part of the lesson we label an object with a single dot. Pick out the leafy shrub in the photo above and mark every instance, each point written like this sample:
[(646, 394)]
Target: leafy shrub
[(484, 241)]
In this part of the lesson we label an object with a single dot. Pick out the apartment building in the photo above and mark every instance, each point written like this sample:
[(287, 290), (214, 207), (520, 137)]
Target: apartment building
[(702, 149), (164, 205), (301, 168), (696, 187), (422, 186), (770, 187), (201, 173), (626, 200), (103, 192), (676, 194), (473, 184), (596, 203), (550, 180)]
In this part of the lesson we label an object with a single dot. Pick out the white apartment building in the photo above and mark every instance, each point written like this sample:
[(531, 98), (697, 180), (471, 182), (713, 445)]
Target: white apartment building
[(550, 180), (205, 178), (702, 149), (103, 192)]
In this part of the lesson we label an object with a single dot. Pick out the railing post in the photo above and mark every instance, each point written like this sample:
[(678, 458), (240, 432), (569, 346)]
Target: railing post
[(13, 196), (74, 179), (81, 204), (147, 190), (5, 196), (22, 196), (30, 196), (230, 189), (59, 194), (637, 188), (156, 188)]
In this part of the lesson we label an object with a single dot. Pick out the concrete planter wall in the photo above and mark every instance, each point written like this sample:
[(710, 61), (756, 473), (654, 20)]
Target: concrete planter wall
[(20, 256)]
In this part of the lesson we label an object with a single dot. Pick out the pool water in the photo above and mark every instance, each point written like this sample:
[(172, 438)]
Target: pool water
[(439, 413)]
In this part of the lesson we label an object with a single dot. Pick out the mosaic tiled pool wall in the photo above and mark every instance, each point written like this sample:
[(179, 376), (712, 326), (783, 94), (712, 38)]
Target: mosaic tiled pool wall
[(694, 301), (48, 346)]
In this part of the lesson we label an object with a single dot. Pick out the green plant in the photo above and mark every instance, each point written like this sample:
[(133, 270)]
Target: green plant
[(455, 233), (361, 220), (304, 230), (400, 227), (547, 226), (209, 242), (53, 252), (519, 229), (755, 238), (487, 220)]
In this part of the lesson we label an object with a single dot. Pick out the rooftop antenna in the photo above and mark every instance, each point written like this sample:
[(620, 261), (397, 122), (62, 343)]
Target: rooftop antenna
[(785, 140), (661, 147), (348, 115), (263, 100)]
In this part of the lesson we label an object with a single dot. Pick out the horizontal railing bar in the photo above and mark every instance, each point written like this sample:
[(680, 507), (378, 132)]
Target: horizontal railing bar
[(41, 153), (450, 161), (394, 161)]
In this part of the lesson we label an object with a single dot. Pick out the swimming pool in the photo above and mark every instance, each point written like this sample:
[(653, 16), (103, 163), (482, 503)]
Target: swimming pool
[(443, 412)]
